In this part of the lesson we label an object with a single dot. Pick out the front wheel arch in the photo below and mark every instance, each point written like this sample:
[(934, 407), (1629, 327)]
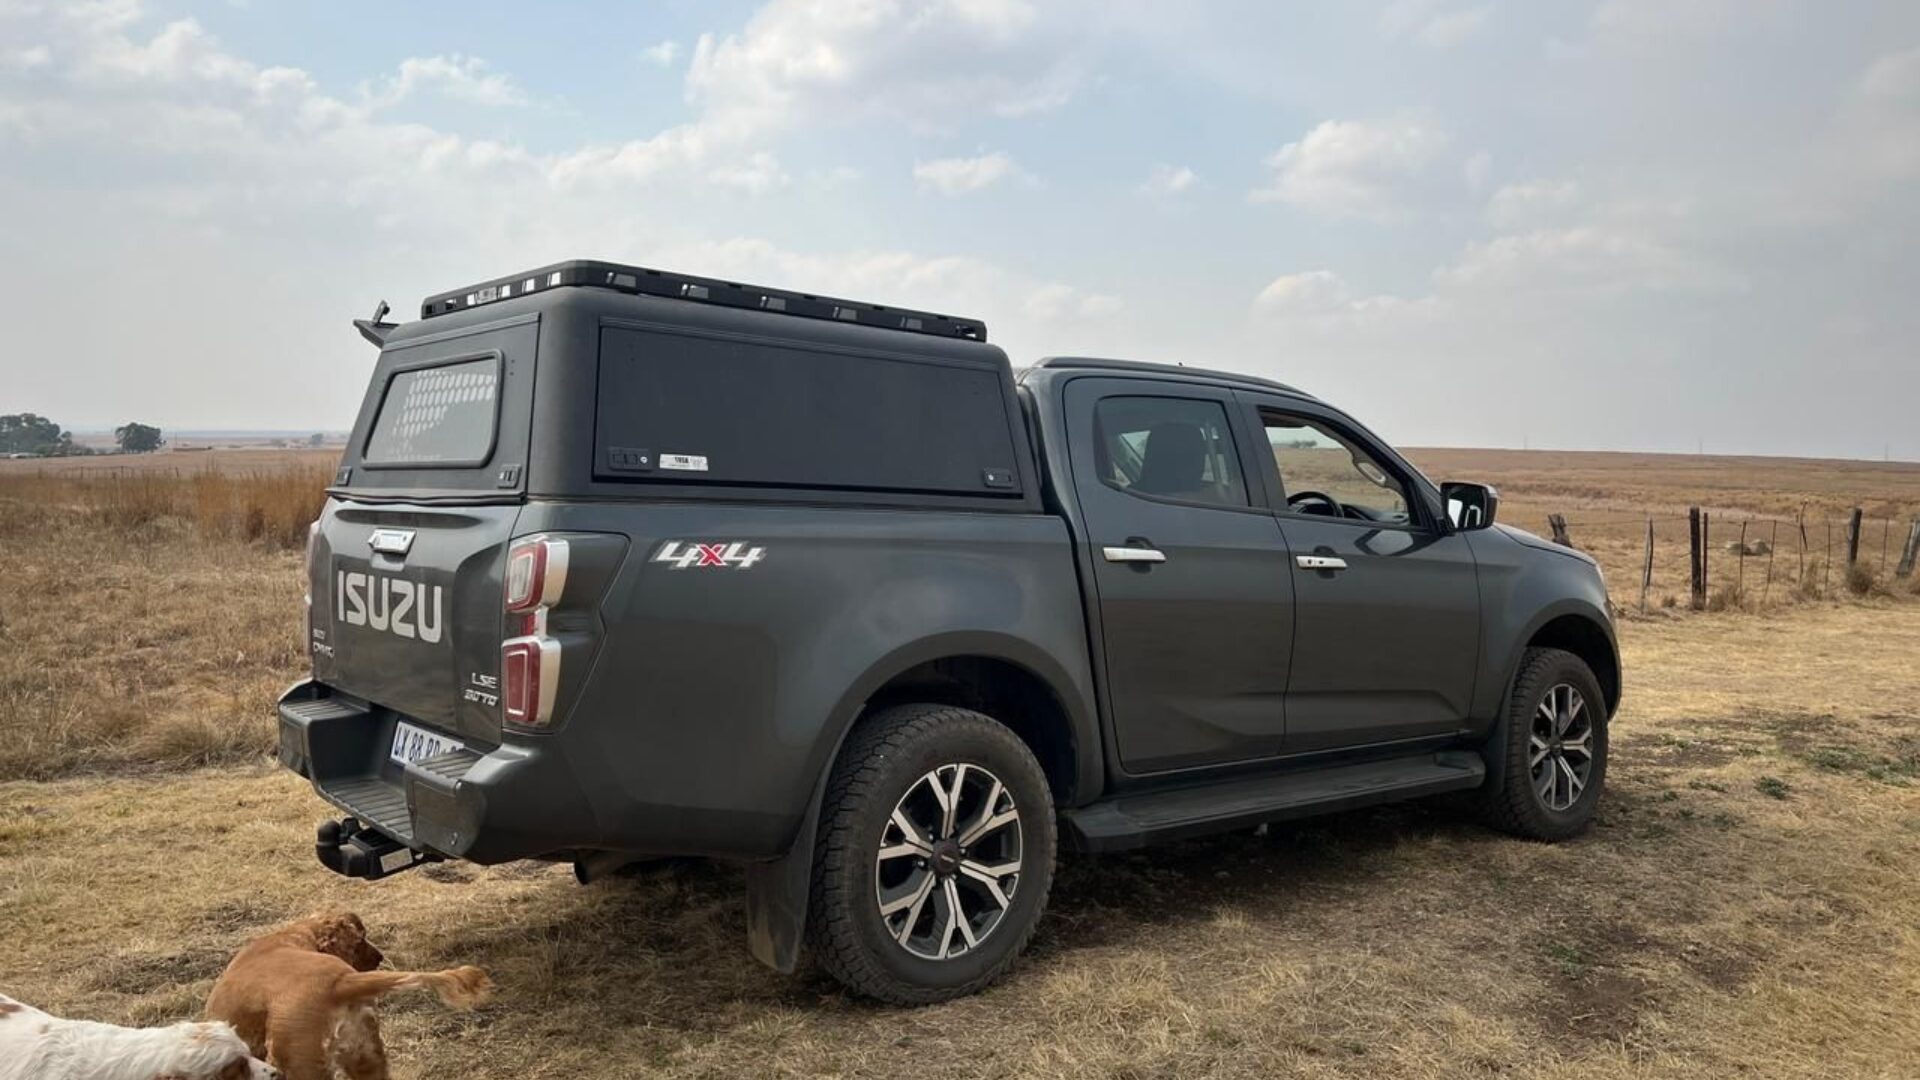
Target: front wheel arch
[(1586, 630)]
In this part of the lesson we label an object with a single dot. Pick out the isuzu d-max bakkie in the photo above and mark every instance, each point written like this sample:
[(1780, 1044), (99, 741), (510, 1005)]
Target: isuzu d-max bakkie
[(622, 564)]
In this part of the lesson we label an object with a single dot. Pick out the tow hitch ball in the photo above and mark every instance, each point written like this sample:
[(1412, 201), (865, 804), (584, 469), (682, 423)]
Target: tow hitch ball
[(349, 848)]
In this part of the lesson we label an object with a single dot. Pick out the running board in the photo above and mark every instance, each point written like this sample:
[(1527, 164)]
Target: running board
[(1132, 821)]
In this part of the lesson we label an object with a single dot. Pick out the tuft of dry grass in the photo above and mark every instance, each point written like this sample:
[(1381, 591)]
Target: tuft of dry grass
[(1863, 580), (147, 620), (268, 506)]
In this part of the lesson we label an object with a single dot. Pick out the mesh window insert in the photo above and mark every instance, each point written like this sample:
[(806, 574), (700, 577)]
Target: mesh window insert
[(437, 416)]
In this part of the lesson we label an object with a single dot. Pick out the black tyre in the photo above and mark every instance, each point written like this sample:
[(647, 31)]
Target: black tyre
[(1553, 752), (934, 856)]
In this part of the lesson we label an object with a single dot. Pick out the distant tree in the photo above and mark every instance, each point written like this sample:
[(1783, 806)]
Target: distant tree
[(26, 433), (137, 438), (316, 439)]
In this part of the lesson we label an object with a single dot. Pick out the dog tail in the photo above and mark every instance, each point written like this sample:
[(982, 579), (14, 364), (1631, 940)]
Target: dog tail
[(461, 987)]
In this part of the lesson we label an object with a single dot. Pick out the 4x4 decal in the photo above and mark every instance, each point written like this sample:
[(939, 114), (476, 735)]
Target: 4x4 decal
[(726, 553)]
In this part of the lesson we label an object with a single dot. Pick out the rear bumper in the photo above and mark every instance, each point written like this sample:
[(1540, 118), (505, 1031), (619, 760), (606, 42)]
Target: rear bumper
[(484, 804)]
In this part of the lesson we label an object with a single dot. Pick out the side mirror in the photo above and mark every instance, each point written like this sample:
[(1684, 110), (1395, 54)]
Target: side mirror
[(1470, 506)]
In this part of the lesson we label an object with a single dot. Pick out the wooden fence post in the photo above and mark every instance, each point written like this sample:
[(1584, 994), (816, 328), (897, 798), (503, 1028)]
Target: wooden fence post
[(1706, 555), (1646, 572), (1696, 584), (1767, 589), (1885, 528), (1558, 523), (1826, 560), (1910, 552), (1800, 575), (1853, 537), (1740, 574)]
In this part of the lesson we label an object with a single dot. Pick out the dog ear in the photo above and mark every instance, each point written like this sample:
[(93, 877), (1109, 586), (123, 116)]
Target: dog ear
[(345, 936), (337, 934), (240, 1068)]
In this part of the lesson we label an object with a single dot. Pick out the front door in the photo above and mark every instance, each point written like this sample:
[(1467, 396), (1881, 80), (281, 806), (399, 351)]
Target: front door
[(1194, 586), (1387, 603)]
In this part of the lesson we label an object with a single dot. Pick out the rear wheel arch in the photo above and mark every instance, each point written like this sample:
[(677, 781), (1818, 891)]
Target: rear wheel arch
[(1010, 693), (1008, 680)]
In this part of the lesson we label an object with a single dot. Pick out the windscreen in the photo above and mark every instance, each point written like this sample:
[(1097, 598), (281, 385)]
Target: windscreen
[(437, 416)]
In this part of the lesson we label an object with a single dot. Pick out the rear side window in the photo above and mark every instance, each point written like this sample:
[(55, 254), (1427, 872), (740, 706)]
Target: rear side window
[(1169, 448), (721, 410), (437, 416)]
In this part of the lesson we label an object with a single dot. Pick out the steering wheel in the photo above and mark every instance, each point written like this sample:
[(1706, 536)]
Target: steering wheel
[(1333, 508)]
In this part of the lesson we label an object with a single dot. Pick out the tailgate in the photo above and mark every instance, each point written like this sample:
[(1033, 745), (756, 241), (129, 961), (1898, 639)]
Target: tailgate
[(407, 611)]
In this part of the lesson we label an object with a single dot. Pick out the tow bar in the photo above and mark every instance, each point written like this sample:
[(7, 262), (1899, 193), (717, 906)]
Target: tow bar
[(354, 850)]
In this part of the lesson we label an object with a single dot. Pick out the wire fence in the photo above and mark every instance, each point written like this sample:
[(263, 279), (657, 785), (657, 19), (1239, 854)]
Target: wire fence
[(1704, 558)]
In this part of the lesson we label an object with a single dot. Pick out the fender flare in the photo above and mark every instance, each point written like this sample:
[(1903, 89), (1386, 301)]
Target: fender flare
[(1494, 746), (778, 889)]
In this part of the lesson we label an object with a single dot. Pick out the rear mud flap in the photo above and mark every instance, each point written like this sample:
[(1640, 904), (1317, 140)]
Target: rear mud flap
[(777, 899)]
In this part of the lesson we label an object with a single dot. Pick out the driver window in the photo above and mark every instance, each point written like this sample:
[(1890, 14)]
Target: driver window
[(1327, 475)]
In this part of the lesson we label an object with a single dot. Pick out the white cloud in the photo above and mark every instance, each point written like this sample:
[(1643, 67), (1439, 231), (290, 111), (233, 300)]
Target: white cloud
[(1586, 259), (26, 59), (1309, 290), (1477, 168), (1354, 167), (1523, 205), (962, 176), (1663, 20), (929, 64), (759, 174), (455, 77), (1451, 28), (1056, 302), (1164, 179), (1880, 120), (203, 161), (1322, 295), (661, 54), (1427, 23)]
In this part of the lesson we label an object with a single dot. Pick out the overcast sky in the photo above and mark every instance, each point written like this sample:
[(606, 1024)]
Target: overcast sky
[(1635, 224)]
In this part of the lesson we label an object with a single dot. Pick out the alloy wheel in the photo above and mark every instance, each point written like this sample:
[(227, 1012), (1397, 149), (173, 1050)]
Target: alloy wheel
[(949, 862), (1560, 753)]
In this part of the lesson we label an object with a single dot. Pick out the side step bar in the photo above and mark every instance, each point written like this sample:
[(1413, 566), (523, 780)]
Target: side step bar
[(1132, 821)]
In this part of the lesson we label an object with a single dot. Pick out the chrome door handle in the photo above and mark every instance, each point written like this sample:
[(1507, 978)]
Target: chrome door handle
[(1134, 554), (1320, 562)]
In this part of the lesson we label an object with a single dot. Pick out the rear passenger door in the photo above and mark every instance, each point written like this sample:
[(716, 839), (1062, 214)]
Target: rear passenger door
[(1192, 579), (1387, 602)]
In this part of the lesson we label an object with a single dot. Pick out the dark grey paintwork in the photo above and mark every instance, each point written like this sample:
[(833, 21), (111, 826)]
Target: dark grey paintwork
[(701, 708)]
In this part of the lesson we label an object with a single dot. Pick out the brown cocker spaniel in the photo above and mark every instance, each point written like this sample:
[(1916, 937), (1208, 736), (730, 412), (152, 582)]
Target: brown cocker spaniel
[(302, 997)]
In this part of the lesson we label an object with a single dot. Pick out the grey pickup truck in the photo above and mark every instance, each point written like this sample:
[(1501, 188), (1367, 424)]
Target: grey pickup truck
[(623, 564)]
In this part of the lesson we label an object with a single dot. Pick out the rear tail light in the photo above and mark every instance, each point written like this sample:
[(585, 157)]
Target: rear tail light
[(529, 675), (536, 573), (313, 534), (536, 578)]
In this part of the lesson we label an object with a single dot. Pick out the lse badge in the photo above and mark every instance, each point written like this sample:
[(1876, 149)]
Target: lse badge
[(727, 554)]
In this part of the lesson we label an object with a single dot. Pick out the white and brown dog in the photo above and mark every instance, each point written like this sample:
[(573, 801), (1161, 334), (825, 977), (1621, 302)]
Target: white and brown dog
[(36, 1046)]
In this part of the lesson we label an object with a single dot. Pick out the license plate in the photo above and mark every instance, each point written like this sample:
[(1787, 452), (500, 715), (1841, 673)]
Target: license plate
[(417, 744)]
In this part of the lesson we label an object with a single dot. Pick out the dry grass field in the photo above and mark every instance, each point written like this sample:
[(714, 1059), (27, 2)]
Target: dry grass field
[(1608, 498), (1748, 904)]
